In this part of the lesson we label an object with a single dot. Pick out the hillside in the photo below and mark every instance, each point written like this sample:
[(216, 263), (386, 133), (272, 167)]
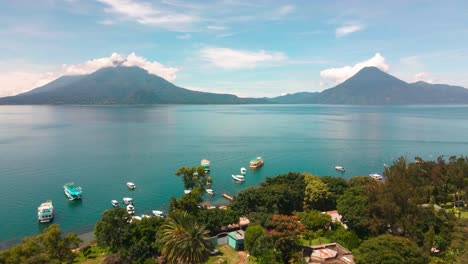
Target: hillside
[(371, 86), (120, 85)]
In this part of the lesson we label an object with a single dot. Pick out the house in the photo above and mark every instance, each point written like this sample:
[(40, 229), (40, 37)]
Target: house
[(236, 239), (332, 253), (336, 217)]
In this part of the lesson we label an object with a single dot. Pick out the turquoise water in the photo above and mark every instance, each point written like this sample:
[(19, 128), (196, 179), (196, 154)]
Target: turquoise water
[(103, 147)]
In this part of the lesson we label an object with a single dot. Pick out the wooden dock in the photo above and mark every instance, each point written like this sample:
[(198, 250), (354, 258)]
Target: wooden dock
[(225, 195)]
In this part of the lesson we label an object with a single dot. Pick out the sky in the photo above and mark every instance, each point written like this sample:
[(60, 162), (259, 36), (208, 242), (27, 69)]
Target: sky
[(247, 48)]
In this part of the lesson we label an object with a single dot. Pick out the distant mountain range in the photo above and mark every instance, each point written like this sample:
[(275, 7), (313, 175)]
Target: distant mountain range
[(133, 85), (120, 85), (371, 86)]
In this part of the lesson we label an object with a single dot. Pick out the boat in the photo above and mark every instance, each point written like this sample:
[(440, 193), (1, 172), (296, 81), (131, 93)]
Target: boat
[(127, 200), (339, 168), (239, 178), (131, 185), (72, 191), (130, 209), (115, 203), (376, 176), (158, 213), (45, 212), (205, 164), (243, 171), (187, 191), (209, 191), (256, 163)]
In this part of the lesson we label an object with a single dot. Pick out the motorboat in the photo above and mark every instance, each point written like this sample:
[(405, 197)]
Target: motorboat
[(72, 191), (131, 185), (376, 176), (127, 200), (131, 209), (339, 168), (187, 191), (158, 213), (115, 203), (243, 171), (256, 163), (209, 191), (239, 178), (45, 212)]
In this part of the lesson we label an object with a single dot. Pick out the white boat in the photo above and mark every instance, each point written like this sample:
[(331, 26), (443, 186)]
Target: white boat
[(239, 178), (209, 191), (45, 212), (339, 168), (127, 200), (131, 185), (115, 203), (158, 213), (187, 191), (206, 165), (376, 176), (243, 171), (130, 209)]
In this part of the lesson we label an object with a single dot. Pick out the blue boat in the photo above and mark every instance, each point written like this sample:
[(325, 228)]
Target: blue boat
[(72, 191)]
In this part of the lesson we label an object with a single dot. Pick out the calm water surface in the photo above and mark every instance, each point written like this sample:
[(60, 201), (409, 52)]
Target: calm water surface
[(103, 147)]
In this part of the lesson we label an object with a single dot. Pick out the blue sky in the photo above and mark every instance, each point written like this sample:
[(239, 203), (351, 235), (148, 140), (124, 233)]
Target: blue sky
[(248, 48)]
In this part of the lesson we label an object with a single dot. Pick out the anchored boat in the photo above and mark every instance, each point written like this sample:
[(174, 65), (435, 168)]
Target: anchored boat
[(72, 191), (158, 213), (339, 168), (256, 163), (239, 178), (209, 191), (115, 203), (130, 209), (127, 200), (376, 176), (243, 171), (131, 185), (205, 164), (45, 212)]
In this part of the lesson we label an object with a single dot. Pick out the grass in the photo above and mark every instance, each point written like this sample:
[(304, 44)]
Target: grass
[(227, 255), (314, 242), (96, 256)]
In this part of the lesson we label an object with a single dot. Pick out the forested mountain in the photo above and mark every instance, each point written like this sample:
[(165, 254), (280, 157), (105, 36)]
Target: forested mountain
[(120, 85), (371, 86)]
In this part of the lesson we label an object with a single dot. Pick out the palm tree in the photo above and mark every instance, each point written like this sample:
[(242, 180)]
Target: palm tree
[(183, 240)]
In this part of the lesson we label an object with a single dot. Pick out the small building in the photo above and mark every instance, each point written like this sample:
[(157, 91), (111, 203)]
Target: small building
[(236, 239), (332, 253)]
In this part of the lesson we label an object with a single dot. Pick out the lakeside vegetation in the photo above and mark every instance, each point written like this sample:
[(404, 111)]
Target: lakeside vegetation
[(417, 214)]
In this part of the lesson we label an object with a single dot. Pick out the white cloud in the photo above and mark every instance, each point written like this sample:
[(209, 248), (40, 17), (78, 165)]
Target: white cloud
[(339, 75), (216, 28), (15, 82), (147, 14), (237, 59), (286, 9), (348, 29), (423, 76), (184, 36)]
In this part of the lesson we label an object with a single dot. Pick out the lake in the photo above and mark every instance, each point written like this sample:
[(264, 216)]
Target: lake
[(100, 148)]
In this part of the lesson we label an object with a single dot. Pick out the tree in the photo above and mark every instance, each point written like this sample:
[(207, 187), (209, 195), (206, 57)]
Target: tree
[(336, 187), (315, 193), (285, 230), (113, 230), (194, 177), (315, 220), (183, 240), (389, 249), (214, 219), (252, 234), (49, 247), (354, 207)]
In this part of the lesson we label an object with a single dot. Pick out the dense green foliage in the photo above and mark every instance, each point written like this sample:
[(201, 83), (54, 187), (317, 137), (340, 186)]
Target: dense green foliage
[(390, 250), (49, 247)]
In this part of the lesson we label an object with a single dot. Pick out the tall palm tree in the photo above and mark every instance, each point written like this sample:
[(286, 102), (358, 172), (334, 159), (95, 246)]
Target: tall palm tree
[(183, 240)]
